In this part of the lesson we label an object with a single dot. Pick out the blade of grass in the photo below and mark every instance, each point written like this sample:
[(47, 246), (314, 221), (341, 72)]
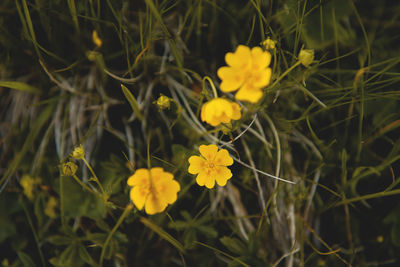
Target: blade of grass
[(35, 130), (223, 253), (132, 101), (163, 234), (20, 86)]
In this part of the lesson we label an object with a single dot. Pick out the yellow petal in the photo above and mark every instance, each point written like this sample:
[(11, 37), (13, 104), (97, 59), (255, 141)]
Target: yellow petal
[(240, 59), (201, 178), (138, 196), (236, 108), (209, 181), (138, 177), (154, 205), (196, 164), (171, 191), (259, 59), (223, 174), (251, 95), (208, 152), (261, 78), (231, 78), (222, 158)]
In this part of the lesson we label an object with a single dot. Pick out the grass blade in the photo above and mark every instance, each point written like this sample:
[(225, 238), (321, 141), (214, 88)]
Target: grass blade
[(132, 101)]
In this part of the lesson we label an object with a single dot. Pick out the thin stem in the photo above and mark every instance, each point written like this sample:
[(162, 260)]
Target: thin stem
[(33, 232), (285, 73), (94, 177), (103, 250), (83, 185), (212, 85)]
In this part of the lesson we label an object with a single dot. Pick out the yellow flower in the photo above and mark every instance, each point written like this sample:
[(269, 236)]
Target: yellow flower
[(211, 166), (153, 189), (29, 184), (247, 72), (306, 57), (219, 110)]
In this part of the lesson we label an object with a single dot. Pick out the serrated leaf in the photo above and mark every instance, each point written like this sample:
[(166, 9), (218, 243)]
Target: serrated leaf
[(132, 101)]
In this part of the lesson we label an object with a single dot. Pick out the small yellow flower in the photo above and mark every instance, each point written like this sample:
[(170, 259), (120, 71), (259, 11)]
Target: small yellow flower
[(79, 152), (50, 209), (269, 44), (153, 189), (96, 40), (163, 102), (306, 57), (220, 110), (247, 72), (211, 166), (29, 184)]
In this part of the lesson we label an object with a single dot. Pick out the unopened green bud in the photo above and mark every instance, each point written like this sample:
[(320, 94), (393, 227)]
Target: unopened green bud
[(306, 57), (78, 153), (69, 168)]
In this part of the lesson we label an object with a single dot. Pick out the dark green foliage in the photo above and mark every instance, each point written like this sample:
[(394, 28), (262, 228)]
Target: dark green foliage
[(333, 128)]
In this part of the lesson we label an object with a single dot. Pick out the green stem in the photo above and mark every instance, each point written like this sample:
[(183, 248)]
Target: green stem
[(285, 73), (33, 232), (94, 177), (83, 185), (62, 213), (212, 85), (103, 250)]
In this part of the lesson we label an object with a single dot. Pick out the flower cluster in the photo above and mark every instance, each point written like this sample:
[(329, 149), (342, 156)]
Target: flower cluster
[(153, 189), (247, 72), (220, 110), (211, 166)]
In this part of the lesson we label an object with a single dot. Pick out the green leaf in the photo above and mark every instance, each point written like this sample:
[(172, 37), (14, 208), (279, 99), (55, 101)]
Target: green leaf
[(20, 86), (59, 240), (234, 245), (26, 259), (85, 256), (79, 202), (132, 101)]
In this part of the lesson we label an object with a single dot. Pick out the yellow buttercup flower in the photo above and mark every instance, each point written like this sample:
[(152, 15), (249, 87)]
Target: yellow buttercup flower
[(247, 72), (220, 110), (153, 189), (211, 166)]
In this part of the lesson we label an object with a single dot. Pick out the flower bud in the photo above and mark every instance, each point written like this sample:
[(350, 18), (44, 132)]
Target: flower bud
[(69, 168), (269, 44), (78, 153), (306, 57), (163, 102)]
